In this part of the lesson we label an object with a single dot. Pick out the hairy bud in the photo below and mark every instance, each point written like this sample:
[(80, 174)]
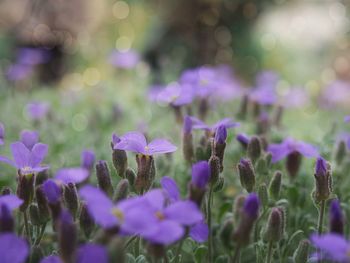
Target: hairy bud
[(274, 228), (215, 168), (336, 218), (86, 221), (187, 140), (104, 178), (25, 190), (340, 152), (7, 223), (225, 233), (44, 213), (34, 215), (246, 174), (263, 195), (71, 199), (122, 190), (67, 237), (145, 172), (293, 163), (120, 161), (254, 149), (131, 176), (275, 185), (301, 254), (323, 180)]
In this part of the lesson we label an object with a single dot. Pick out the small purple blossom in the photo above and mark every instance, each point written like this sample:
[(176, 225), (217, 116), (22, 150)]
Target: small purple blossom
[(13, 249), (288, 146), (333, 246), (171, 189), (51, 259), (320, 167), (29, 138), (72, 175), (52, 191), (347, 118), (336, 94), (2, 133), (25, 160), (221, 134), (187, 126), (243, 139), (91, 253), (251, 205), (175, 95), (136, 142), (11, 201), (38, 110), (226, 122), (336, 218), (87, 159), (125, 60), (294, 98), (200, 174)]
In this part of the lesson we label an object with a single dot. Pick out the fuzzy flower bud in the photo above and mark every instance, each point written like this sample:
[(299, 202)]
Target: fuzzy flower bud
[(246, 174), (243, 139), (25, 190), (274, 228), (104, 178), (122, 190), (336, 218), (71, 199), (41, 177), (340, 152), (263, 195), (131, 176), (238, 206), (87, 159), (86, 221), (322, 180), (67, 237), (42, 205), (293, 164), (200, 179), (214, 163), (145, 172), (219, 144), (119, 157), (219, 184), (7, 223), (187, 140), (275, 185), (225, 233), (34, 215), (254, 149), (301, 254)]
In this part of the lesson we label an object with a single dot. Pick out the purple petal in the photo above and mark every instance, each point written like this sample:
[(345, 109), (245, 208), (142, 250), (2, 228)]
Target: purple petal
[(169, 185), (21, 154), (52, 191), (91, 253), (184, 212), (29, 138), (72, 175), (198, 124), (2, 133), (347, 118), (87, 159), (167, 232), (38, 154), (278, 151), (99, 206), (8, 161), (227, 123), (13, 249), (159, 146), (11, 201), (132, 141), (156, 199), (200, 174), (51, 259), (307, 150), (199, 232)]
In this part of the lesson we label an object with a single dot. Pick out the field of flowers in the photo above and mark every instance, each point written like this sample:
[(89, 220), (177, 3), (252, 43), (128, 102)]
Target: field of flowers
[(116, 161)]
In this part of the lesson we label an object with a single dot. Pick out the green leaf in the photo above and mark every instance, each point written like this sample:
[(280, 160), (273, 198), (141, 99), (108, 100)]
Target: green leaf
[(200, 254)]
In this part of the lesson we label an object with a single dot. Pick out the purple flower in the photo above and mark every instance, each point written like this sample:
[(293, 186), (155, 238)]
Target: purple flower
[(243, 139), (294, 98), (263, 96), (221, 134), (131, 215), (87, 159), (38, 110), (171, 189), (16, 72), (136, 142), (336, 219), (29, 138), (199, 232), (187, 126), (51, 259), (334, 246), (251, 205), (125, 60), (10, 201), (337, 93), (13, 249), (200, 174), (2, 133), (52, 191), (176, 95), (25, 160), (320, 167), (227, 123), (288, 146), (170, 220), (32, 56), (347, 118), (72, 175), (91, 253)]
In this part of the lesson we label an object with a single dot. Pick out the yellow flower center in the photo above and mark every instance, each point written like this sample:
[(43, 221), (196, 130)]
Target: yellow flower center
[(118, 214), (160, 216), (204, 82)]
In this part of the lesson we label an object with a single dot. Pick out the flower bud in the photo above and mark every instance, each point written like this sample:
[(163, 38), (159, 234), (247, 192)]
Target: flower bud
[(273, 229), (254, 149), (336, 218), (7, 223), (214, 163), (122, 190), (243, 139), (284, 219), (37, 254), (219, 184), (203, 150), (86, 221), (219, 144), (301, 254), (249, 214), (104, 178), (41, 177), (71, 199), (322, 180), (67, 237), (178, 113), (246, 174), (275, 185), (203, 108), (200, 179), (238, 206), (34, 215), (263, 195), (131, 176), (25, 190), (116, 250), (145, 172), (225, 233), (53, 196), (187, 140), (340, 152), (293, 163), (263, 123), (6, 191), (87, 159), (43, 207), (120, 159)]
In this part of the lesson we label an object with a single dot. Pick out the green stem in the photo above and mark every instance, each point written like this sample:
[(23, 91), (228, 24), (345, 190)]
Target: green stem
[(129, 241), (26, 224), (41, 234), (269, 253), (178, 250), (210, 237), (320, 217), (236, 255)]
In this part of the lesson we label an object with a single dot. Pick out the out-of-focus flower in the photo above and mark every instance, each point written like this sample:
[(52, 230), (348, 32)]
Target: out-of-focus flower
[(87, 159), (336, 218), (13, 249), (333, 247), (294, 98), (51, 259), (175, 94), (19, 72), (125, 60), (52, 191), (243, 139), (90, 253), (38, 110), (136, 142), (11, 201), (72, 175), (264, 92), (2, 134), (200, 174), (226, 122), (25, 160), (29, 138), (347, 118), (336, 93), (288, 146)]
